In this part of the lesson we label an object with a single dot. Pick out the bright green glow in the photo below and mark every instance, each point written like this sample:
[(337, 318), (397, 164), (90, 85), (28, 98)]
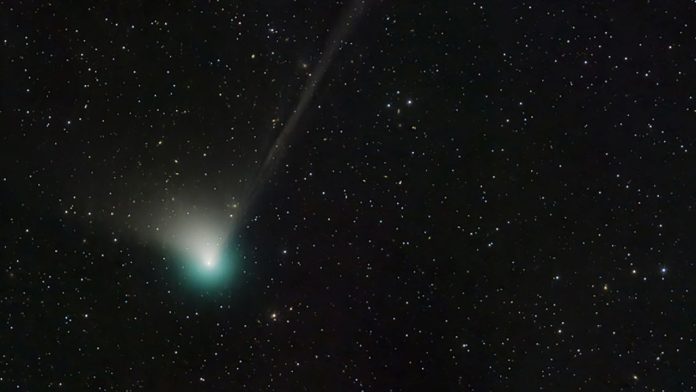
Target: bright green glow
[(212, 268), (201, 245)]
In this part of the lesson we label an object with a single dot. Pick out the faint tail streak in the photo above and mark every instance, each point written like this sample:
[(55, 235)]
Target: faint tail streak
[(348, 18)]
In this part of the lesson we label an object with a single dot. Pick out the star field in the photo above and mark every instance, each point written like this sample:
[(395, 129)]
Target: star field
[(355, 195)]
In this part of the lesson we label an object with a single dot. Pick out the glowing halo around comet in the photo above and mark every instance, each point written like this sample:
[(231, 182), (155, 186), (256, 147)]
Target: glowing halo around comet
[(201, 245)]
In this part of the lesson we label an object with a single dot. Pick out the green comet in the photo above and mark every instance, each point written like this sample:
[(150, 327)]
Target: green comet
[(213, 268), (202, 246)]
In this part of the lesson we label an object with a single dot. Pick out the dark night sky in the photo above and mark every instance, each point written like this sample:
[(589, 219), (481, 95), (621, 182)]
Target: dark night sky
[(479, 196)]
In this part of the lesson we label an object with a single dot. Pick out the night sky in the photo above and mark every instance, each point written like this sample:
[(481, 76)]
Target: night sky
[(355, 195)]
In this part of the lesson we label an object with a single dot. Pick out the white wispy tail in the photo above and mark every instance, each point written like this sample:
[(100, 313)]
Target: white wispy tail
[(275, 155)]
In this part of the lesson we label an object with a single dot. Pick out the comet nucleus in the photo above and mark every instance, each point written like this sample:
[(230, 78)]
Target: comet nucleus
[(203, 249)]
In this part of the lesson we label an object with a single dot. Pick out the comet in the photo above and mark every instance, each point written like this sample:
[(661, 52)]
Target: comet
[(349, 17)]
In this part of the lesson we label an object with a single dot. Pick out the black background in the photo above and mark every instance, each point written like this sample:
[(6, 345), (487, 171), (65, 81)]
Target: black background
[(524, 223)]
